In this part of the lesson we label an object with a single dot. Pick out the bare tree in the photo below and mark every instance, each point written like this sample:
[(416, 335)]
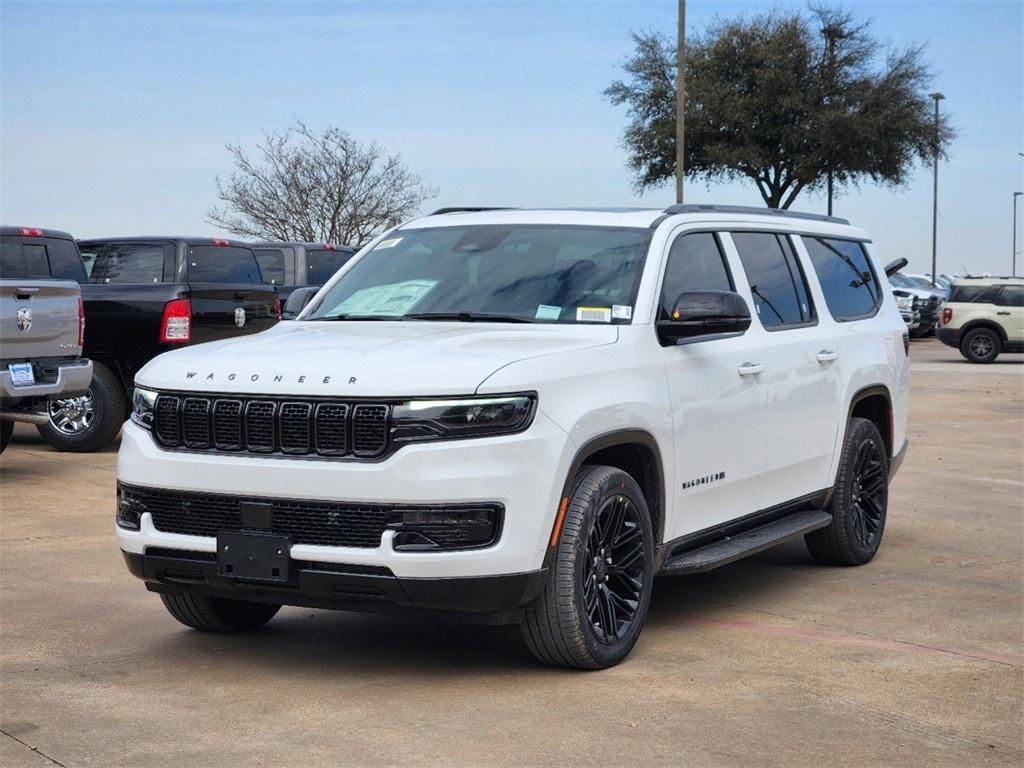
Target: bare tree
[(316, 187)]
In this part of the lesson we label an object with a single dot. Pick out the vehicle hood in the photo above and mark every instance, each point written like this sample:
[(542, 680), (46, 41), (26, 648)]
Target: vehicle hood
[(364, 359)]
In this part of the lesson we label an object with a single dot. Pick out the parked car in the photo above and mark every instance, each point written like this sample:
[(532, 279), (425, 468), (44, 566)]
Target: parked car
[(528, 414), (984, 317), (293, 265), (42, 323), (143, 296), (905, 304), (927, 303), (925, 281)]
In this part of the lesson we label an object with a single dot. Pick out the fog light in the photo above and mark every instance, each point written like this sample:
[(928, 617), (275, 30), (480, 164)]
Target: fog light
[(434, 528), (128, 511)]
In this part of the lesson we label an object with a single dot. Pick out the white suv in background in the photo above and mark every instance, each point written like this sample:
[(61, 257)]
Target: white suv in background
[(526, 414)]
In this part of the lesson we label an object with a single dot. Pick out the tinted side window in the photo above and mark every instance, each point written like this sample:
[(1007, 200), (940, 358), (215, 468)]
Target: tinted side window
[(129, 263), (695, 263), (776, 280), (322, 264), (847, 280), (271, 261), (1011, 296), (222, 264), (23, 260)]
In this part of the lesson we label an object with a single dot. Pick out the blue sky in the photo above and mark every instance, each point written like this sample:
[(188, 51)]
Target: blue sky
[(114, 116)]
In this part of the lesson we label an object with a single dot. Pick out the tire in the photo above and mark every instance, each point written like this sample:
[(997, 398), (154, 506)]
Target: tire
[(982, 345), (218, 614), (559, 627), (859, 500), (6, 430), (87, 423)]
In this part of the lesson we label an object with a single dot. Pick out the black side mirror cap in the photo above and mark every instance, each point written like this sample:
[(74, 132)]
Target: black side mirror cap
[(895, 266), (703, 315), (297, 301)]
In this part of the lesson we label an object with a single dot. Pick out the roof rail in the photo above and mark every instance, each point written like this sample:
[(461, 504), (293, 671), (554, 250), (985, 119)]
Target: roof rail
[(749, 209), (470, 209)]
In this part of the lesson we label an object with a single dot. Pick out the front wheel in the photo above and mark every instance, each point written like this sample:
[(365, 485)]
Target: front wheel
[(90, 421), (860, 500), (598, 586)]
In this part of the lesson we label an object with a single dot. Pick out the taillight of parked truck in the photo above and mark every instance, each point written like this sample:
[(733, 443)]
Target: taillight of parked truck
[(947, 315), (81, 322), (176, 323), (277, 308)]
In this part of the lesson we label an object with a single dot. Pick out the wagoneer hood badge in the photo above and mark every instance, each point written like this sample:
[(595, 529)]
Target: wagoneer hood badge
[(382, 359)]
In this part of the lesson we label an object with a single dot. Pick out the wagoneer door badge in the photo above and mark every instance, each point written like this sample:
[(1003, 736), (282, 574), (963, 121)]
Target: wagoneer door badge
[(24, 319), (239, 316), (712, 478)]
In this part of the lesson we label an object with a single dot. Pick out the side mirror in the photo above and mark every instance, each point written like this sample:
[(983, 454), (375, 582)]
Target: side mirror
[(297, 301), (701, 315), (895, 266)]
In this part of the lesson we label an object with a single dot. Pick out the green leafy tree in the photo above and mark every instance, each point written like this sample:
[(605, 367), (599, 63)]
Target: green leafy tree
[(782, 99)]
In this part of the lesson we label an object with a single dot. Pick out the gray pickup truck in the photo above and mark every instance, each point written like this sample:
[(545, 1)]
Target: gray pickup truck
[(42, 324)]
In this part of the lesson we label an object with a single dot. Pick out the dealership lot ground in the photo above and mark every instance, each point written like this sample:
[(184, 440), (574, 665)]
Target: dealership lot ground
[(916, 659)]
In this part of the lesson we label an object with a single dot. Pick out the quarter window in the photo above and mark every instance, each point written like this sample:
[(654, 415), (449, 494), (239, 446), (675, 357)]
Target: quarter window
[(695, 263), (777, 281), (1011, 296), (847, 280)]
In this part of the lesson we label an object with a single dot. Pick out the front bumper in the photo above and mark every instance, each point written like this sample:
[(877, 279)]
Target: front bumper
[(73, 375), (322, 585), (524, 473)]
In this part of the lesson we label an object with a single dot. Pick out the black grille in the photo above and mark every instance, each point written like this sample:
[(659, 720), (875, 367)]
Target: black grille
[(334, 524), (267, 426)]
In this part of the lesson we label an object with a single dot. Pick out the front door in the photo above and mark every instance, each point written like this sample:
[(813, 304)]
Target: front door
[(718, 401)]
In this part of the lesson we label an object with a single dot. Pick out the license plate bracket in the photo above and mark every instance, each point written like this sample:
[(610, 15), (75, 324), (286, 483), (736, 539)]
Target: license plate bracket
[(254, 556), (22, 374)]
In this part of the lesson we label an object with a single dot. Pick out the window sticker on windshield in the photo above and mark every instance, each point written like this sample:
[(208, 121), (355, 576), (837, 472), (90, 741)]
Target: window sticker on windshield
[(547, 312), (593, 315), (622, 311), (395, 299), (391, 242)]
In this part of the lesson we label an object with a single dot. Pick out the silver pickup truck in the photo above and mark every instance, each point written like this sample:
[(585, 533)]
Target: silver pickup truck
[(41, 334)]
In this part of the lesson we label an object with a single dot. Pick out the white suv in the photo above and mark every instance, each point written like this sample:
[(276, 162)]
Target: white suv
[(526, 415)]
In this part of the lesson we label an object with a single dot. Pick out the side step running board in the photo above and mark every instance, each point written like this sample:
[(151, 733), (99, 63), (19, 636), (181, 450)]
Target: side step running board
[(732, 548)]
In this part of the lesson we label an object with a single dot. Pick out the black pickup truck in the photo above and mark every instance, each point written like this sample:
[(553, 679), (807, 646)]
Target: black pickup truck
[(144, 296)]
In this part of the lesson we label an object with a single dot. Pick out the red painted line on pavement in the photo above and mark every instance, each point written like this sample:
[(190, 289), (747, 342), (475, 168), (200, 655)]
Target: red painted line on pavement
[(863, 641)]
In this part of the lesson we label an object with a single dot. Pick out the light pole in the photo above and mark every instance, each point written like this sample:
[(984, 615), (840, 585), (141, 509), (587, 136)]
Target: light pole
[(1015, 196), (935, 189), (680, 102)]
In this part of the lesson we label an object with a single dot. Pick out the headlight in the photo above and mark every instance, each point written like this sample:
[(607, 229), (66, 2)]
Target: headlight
[(470, 417), (143, 405), (904, 302)]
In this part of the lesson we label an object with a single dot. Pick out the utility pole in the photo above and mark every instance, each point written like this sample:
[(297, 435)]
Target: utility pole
[(935, 189), (680, 102), (1015, 196), (831, 33)]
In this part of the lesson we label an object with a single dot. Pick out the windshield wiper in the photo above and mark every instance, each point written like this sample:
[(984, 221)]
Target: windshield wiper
[(332, 318), (468, 317)]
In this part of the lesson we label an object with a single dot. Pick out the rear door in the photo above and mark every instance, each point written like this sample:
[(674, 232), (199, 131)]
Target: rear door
[(229, 297), (1009, 306)]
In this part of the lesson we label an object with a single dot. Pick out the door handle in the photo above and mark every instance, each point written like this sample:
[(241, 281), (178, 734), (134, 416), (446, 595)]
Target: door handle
[(1002, 313), (827, 356), (750, 369)]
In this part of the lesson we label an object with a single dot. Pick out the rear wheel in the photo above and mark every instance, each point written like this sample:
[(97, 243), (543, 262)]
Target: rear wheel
[(90, 421), (598, 587), (982, 345), (217, 614), (859, 500), (6, 430)]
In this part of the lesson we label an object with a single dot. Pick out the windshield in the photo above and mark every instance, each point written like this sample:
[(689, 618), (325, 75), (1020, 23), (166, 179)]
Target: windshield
[(505, 273)]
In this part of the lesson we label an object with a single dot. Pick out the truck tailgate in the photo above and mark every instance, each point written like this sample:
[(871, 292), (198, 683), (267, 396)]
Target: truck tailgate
[(38, 318), (220, 310)]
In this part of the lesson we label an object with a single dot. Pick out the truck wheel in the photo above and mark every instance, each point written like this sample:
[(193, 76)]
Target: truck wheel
[(6, 430), (218, 614), (982, 345), (859, 500), (88, 422), (598, 586)]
